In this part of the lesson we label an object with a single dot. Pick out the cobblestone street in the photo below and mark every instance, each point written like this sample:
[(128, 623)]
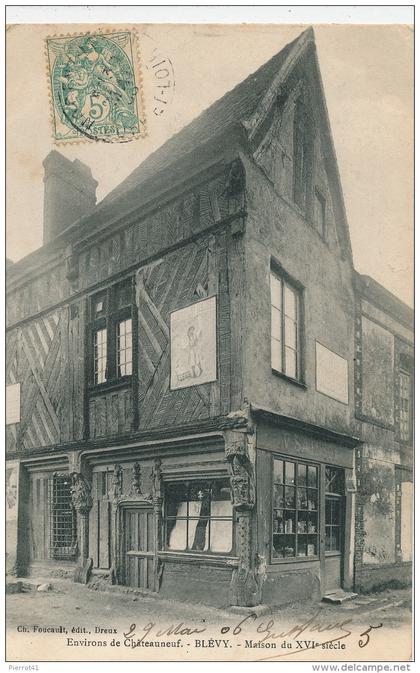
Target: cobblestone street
[(72, 622)]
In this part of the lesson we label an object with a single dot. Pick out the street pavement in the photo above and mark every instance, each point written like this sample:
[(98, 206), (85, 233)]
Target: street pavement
[(72, 622)]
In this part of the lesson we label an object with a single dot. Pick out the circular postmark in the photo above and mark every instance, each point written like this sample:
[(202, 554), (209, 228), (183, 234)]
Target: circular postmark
[(94, 88), (160, 74)]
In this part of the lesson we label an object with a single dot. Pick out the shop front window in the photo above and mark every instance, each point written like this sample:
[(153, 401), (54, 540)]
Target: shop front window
[(295, 510), (198, 516)]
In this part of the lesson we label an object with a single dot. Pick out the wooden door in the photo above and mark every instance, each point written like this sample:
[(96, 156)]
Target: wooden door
[(38, 517), (100, 520), (138, 547)]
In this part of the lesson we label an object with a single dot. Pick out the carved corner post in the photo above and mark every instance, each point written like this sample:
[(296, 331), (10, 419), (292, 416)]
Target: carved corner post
[(117, 541), (82, 503), (157, 499), (235, 186), (246, 584)]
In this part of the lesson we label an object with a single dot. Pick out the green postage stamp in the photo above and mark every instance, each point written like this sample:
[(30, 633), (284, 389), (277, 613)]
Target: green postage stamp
[(95, 82)]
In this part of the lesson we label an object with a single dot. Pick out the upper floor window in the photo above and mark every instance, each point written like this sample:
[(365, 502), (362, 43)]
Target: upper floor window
[(285, 327), (111, 328), (302, 133), (405, 404)]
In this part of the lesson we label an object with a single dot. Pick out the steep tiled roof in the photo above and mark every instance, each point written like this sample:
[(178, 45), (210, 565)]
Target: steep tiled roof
[(235, 105)]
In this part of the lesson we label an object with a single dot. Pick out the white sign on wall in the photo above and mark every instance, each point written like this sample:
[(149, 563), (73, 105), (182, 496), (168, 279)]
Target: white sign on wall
[(13, 403), (193, 344), (332, 377)]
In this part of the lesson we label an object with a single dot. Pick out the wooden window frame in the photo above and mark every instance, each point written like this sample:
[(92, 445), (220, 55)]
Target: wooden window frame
[(188, 552), (336, 496), (285, 280), (62, 517), (109, 320)]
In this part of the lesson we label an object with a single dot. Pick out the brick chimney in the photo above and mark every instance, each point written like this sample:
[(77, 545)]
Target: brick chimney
[(69, 193)]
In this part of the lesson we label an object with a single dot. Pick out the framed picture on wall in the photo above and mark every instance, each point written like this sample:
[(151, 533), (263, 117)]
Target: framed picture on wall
[(194, 344)]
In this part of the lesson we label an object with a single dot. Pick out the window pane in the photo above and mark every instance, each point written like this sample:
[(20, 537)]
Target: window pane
[(276, 355), (278, 521), (275, 323), (302, 498), (289, 496), (290, 473), (177, 534), (289, 546), (333, 512), (290, 333), (278, 495), (291, 363), (302, 546), (176, 495), (198, 534), (278, 471), (275, 292), (123, 294), (302, 525), (221, 504), (301, 478), (98, 306), (333, 539), (312, 499), (100, 355), (221, 536), (334, 480), (290, 308), (312, 523), (124, 347), (312, 545), (289, 522), (278, 546), (312, 476)]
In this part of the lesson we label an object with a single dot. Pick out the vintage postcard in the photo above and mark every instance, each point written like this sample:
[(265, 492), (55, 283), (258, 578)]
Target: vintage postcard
[(209, 333)]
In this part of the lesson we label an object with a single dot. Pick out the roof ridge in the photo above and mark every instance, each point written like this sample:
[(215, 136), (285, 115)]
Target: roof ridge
[(207, 118)]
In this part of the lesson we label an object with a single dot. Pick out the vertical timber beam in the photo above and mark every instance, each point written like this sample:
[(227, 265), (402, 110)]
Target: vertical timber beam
[(82, 503), (156, 478), (247, 579)]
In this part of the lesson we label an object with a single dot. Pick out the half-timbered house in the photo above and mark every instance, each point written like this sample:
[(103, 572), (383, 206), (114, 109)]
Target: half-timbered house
[(188, 410)]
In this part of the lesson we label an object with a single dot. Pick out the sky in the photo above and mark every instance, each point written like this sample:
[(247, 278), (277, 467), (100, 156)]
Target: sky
[(367, 73)]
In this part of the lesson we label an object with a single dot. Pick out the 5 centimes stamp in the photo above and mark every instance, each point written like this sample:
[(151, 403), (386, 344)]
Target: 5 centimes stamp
[(94, 81)]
